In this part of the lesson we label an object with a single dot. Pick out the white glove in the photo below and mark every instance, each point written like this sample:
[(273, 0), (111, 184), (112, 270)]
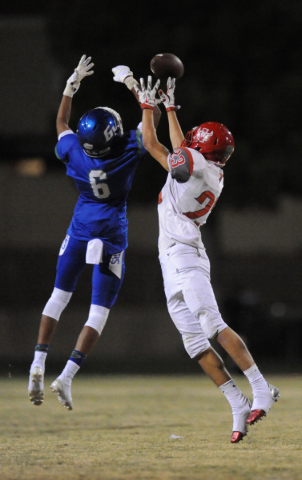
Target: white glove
[(82, 70), (168, 98), (147, 97), (124, 75)]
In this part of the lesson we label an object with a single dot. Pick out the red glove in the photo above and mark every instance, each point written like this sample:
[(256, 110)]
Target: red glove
[(168, 98)]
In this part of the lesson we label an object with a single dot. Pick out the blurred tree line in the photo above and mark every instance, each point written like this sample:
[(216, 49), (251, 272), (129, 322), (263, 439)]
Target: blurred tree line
[(243, 68)]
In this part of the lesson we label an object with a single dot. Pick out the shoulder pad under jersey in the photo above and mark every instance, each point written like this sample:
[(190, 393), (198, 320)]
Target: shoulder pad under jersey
[(181, 164)]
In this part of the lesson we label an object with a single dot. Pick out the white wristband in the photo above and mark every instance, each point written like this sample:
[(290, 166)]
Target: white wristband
[(69, 90), (130, 82)]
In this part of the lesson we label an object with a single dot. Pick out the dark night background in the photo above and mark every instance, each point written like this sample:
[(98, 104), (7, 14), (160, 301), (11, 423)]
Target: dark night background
[(243, 68)]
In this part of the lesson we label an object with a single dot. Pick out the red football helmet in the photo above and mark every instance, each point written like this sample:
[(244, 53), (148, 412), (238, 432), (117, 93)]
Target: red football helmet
[(213, 140)]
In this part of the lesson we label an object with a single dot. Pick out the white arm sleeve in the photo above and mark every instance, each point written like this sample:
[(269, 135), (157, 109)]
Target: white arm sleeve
[(66, 132)]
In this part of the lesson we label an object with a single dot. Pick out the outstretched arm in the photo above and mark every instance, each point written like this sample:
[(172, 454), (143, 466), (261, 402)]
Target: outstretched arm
[(123, 74), (72, 86), (63, 115), (168, 99), (176, 135), (148, 102), (150, 141)]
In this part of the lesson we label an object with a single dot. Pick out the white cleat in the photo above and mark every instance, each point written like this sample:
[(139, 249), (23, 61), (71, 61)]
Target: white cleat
[(239, 420), (275, 393), (63, 390), (258, 413), (36, 386)]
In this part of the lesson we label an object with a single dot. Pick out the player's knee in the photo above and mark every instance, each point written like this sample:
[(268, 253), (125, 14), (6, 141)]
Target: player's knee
[(208, 315), (211, 324), (97, 318), (195, 344), (56, 304), (192, 297)]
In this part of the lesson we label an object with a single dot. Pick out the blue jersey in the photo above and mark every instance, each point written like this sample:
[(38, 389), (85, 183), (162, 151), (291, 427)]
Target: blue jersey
[(103, 184)]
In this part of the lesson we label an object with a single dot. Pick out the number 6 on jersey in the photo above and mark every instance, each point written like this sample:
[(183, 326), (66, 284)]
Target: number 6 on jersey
[(99, 187)]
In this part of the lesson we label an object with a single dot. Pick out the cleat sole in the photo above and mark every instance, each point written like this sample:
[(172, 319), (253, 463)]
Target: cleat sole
[(36, 395)]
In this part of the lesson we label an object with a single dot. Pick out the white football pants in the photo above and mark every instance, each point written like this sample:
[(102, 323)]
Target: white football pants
[(190, 298)]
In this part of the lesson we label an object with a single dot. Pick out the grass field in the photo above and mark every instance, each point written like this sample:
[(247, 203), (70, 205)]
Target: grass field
[(120, 429)]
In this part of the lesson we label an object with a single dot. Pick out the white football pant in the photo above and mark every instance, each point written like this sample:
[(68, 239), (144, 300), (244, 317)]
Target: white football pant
[(190, 298)]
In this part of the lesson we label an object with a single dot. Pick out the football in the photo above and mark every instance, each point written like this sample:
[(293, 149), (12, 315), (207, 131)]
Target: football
[(165, 65)]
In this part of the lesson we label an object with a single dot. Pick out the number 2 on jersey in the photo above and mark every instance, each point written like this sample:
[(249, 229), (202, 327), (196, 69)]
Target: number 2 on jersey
[(201, 199), (99, 187)]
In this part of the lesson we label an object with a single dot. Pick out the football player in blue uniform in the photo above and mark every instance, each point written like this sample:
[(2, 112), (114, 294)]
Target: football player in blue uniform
[(102, 160)]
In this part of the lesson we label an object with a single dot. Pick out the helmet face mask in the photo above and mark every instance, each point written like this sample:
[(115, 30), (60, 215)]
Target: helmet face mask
[(98, 130), (213, 140)]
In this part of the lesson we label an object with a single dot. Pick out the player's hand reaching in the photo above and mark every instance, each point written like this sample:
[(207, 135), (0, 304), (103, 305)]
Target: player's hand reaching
[(84, 68), (168, 98), (74, 81), (147, 95), (123, 74)]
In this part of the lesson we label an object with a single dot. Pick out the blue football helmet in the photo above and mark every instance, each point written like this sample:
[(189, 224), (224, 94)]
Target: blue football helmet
[(98, 130)]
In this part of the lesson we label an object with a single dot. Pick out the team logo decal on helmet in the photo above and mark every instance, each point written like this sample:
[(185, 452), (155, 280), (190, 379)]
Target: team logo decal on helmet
[(213, 140), (98, 130), (204, 134)]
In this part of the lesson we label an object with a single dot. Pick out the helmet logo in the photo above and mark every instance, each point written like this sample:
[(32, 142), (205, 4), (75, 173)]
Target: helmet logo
[(109, 131), (88, 146), (204, 135)]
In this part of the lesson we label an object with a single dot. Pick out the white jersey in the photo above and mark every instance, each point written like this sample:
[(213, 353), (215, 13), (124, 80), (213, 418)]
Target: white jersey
[(192, 188)]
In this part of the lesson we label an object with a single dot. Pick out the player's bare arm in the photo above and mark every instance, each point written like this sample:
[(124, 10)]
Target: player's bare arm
[(63, 115), (148, 101), (156, 116), (176, 135), (72, 86), (168, 99), (150, 141), (123, 74)]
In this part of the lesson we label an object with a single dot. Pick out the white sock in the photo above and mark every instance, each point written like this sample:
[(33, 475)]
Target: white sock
[(39, 360), (239, 405), (262, 398), (69, 372)]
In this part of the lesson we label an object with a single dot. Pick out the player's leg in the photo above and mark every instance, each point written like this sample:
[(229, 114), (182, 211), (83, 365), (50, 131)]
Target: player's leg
[(213, 366), (200, 299), (107, 280), (264, 394), (71, 262), (198, 346)]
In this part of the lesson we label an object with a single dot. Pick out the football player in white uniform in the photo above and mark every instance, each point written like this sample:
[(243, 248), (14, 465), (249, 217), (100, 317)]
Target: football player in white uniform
[(193, 186)]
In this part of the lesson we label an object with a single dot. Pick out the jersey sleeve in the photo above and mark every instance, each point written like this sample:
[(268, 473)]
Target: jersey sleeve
[(181, 164), (139, 139), (66, 142)]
